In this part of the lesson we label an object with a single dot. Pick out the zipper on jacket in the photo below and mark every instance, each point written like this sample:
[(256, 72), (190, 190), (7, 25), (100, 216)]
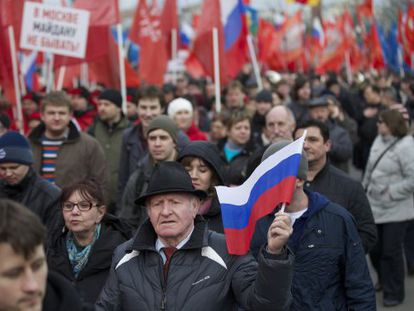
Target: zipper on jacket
[(163, 301)]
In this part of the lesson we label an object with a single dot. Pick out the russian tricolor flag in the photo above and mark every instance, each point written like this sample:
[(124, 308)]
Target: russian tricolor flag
[(235, 32), (272, 183)]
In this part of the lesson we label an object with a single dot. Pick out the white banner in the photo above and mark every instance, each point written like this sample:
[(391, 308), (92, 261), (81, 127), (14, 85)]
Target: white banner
[(54, 29)]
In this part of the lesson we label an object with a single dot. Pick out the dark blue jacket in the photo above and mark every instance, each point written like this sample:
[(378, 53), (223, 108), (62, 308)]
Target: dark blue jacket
[(330, 270)]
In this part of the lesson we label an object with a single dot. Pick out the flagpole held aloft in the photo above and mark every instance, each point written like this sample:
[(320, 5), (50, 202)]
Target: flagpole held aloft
[(254, 62), (16, 78), (122, 67), (216, 69), (174, 52), (61, 77)]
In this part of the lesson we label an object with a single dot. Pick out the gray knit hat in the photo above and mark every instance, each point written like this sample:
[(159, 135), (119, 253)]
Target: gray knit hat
[(303, 166), (165, 123)]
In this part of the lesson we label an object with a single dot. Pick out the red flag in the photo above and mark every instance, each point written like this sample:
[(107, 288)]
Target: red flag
[(103, 12), (203, 43), (169, 22), (97, 46), (402, 38), (409, 28), (281, 49), (333, 54), (146, 32), (376, 57)]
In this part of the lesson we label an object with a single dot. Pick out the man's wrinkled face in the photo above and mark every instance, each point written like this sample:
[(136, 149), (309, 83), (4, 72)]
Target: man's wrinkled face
[(172, 215), (279, 126), (22, 280)]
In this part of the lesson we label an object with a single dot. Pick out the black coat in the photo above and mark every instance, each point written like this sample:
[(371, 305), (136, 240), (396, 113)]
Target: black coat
[(39, 195), (92, 278), (236, 169), (330, 270), (213, 216), (61, 295), (343, 190), (202, 276)]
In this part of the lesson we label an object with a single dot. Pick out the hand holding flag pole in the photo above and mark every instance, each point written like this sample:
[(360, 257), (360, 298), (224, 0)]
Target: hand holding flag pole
[(279, 232)]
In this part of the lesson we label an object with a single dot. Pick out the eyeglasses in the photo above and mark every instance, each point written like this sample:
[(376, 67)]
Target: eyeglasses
[(83, 206)]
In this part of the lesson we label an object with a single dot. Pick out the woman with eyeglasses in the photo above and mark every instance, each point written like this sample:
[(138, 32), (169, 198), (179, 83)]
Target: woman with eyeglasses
[(389, 182), (81, 250)]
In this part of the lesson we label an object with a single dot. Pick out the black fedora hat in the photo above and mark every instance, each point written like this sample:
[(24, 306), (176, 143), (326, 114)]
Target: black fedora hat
[(168, 177)]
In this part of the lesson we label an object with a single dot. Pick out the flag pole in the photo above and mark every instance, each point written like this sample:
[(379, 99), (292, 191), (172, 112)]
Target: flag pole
[(121, 54), (61, 77), (216, 69), (16, 78), (348, 67), (84, 74), (174, 52), (283, 207), (50, 78), (400, 62), (22, 84), (254, 62)]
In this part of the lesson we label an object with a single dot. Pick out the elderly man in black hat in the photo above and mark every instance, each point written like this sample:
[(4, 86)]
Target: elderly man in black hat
[(175, 263)]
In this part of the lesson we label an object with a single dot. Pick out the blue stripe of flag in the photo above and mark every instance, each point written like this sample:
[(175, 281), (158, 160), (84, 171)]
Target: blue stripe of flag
[(233, 26)]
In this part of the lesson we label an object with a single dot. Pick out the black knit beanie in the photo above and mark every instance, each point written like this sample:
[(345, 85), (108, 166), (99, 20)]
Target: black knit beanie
[(114, 96)]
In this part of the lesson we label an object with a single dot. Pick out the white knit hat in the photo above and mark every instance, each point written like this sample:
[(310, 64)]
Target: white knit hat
[(179, 104)]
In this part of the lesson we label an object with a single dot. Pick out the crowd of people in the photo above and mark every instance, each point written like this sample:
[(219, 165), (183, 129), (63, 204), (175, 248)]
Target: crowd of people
[(128, 217)]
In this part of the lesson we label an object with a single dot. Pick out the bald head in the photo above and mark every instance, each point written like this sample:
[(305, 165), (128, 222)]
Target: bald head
[(280, 124)]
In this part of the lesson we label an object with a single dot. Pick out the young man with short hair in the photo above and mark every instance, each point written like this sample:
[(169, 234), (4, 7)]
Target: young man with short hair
[(63, 154), (25, 284), (134, 144), (162, 146)]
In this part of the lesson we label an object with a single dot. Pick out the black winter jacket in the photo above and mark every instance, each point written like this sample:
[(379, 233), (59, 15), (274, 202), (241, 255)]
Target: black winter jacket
[(202, 276), (236, 169), (330, 270), (92, 278), (61, 295), (39, 195), (339, 188)]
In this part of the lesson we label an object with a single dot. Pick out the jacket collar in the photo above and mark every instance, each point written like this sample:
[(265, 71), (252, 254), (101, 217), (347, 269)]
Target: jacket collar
[(39, 131), (323, 171), (146, 237)]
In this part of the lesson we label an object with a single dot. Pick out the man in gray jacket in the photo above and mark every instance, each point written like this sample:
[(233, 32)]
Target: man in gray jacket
[(175, 263)]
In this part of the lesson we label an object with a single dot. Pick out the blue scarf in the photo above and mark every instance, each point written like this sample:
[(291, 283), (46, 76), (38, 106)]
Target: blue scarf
[(79, 257)]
